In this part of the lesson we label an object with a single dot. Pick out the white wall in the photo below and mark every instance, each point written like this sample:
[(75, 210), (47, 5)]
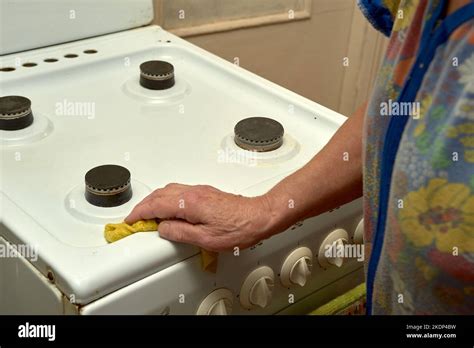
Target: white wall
[(304, 55)]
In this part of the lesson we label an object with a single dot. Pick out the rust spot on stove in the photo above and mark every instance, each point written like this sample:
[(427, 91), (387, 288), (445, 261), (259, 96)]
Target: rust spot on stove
[(71, 308), (51, 276)]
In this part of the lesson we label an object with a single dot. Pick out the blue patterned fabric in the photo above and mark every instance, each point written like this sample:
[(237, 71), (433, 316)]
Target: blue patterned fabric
[(419, 205), (378, 14)]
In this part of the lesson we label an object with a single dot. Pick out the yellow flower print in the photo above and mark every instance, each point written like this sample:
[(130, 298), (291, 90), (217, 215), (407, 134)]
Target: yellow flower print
[(404, 16), (441, 212), (464, 108), (469, 156), (468, 141), (464, 133), (463, 128), (419, 129), (392, 6), (384, 77), (427, 271), (425, 106)]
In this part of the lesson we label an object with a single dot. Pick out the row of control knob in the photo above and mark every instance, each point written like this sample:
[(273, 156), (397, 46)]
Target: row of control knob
[(257, 289)]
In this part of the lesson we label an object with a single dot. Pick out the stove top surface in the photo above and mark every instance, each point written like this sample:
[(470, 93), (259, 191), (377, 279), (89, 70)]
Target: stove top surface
[(91, 110)]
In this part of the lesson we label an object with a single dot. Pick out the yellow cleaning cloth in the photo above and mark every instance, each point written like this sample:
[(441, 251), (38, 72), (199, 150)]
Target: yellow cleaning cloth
[(114, 232)]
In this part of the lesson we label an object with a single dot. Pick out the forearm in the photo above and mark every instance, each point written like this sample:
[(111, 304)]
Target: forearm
[(332, 178), (218, 221)]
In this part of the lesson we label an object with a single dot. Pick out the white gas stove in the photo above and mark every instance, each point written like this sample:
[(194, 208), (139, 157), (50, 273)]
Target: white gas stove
[(94, 103)]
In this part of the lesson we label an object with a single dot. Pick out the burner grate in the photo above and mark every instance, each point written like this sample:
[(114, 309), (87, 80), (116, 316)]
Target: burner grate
[(108, 186), (259, 134), (15, 113), (156, 75)]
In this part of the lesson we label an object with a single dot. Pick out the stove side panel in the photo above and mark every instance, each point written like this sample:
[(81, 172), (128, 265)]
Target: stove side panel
[(23, 289)]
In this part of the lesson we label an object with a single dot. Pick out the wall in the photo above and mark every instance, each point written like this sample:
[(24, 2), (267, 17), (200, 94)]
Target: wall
[(303, 55)]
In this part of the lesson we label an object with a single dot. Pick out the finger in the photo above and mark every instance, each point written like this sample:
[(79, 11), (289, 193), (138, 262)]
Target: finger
[(166, 207), (170, 189), (145, 207), (143, 211), (183, 232)]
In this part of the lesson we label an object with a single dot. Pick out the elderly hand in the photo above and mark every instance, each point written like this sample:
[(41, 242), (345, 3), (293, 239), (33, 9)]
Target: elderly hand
[(206, 217)]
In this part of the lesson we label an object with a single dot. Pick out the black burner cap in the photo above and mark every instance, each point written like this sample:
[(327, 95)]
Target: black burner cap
[(108, 186), (156, 74), (259, 134), (15, 113)]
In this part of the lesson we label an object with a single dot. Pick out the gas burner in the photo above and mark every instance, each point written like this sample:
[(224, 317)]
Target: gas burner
[(156, 75), (259, 134), (15, 113), (108, 186)]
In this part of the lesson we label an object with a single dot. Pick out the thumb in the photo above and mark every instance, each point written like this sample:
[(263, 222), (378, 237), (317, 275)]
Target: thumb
[(181, 231)]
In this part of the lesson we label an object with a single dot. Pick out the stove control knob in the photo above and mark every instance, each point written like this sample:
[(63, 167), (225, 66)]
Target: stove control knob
[(257, 288), (218, 302), (332, 249), (221, 307), (296, 269), (337, 252), (359, 233)]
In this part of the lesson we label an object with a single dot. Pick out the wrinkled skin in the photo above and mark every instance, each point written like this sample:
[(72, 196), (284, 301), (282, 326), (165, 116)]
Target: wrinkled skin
[(219, 221), (206, 217)]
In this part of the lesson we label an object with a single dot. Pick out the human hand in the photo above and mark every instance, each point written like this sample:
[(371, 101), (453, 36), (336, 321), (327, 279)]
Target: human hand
[(207, 217)]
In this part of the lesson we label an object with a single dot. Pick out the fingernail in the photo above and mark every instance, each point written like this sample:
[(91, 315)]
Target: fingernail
[(162, 229)]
